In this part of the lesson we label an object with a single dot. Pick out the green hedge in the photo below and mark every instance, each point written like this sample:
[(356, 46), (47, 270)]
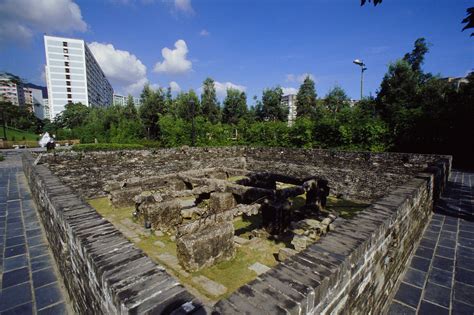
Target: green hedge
[(106, 147)]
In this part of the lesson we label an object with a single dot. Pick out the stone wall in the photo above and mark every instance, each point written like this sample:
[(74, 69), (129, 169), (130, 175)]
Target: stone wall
[(360, 176), (355, 268), (352, 270), (103, 272)]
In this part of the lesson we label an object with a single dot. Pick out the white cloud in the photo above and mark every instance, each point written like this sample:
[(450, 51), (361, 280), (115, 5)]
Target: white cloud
[(222, 87), (298, 77), (184, 6), (135, 88), (118, 65), (289, 90), (124, 70), (21, 19), (175, 87), (175, 61), (204, 33)]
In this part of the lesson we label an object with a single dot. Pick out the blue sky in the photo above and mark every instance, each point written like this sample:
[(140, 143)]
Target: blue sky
[(248, 44)]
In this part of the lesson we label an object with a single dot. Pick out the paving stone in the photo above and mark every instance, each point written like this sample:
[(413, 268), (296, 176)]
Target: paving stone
[(429, 243), (447, 243), (24, 309), (437, 294), (465, 276), (420, 263), (427, 308), (15, 263), (40, 262), (211, 287), (465, 262), (445, 252), (15, 251), (17, 240), (15, 296), (463, 293), (462, 308), (15, 277), (443, 263), (465, 251), (415, 277), (43, 277), (466, 242), (398, 309), (441, 277), (408, 294), (424, 252), (47, 295), (57, 309), (259, 268)]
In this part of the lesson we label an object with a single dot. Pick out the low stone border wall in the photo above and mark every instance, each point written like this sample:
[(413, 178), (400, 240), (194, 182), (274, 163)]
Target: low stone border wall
[(353, 270), (103, 272)]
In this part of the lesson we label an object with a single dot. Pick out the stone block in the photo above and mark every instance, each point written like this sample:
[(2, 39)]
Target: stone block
[(162, 215), (284, 253), (221, 201), (206, 246)]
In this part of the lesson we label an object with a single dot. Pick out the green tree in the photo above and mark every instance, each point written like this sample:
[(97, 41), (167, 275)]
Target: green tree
[(209, 103), (336, 100), (74, 115), (130, 110), (306, 98), (184, 108), (235, 106), (153, 104), (416, 57), (272, 108)]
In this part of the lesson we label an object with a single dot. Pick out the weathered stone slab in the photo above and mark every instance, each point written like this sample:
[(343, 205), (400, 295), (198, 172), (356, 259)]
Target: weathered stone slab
[(259, 268), (211, 287)]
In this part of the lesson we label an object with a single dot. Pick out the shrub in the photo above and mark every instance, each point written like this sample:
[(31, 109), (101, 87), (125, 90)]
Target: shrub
[(106, 147), (1, 157)]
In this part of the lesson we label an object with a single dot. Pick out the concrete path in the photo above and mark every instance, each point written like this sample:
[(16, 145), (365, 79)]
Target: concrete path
[(29, 283), (439, 279)]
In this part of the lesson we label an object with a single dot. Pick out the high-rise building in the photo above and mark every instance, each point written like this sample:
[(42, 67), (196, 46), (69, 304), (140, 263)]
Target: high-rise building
[(12, 90), (122, 100), (73, 75), (290, 102)]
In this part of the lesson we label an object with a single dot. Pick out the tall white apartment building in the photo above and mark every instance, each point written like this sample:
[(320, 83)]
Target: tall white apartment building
[(11, 90), (290, 102), (73, 75)]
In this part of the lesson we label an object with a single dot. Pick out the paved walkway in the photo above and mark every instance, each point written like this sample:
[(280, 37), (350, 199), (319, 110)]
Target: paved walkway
[(440, 276), (28, 280)]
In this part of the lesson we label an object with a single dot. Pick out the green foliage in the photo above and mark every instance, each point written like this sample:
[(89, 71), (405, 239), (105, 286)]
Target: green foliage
[(235, 107), (73, 116), (13, 133), (209, 103), (306, 98), (106, 147), (187, 105), (1, 157), (153, 104), (272, 109), (19, 118), (336, 100)]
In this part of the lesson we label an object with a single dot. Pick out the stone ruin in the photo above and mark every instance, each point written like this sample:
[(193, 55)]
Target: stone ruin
[(198, 208), (353, 269)]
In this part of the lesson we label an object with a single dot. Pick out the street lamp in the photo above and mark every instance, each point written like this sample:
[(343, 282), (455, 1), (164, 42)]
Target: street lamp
[(362, 69)]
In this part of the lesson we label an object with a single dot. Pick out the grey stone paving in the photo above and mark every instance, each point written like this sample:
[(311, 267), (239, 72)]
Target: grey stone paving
[(439, 279), (28, 280)]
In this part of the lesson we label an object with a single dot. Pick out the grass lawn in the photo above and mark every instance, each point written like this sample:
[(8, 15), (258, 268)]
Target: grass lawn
[(18, 135), (232, 274)]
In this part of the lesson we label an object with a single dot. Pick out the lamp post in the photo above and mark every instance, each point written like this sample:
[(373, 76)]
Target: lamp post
[(193, 130), (362, 69)]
